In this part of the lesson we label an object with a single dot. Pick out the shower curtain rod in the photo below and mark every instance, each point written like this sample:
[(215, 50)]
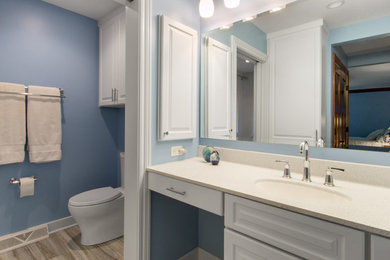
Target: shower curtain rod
[(62, 94)]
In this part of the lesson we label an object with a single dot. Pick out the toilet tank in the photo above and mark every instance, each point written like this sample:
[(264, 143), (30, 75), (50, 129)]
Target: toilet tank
[(122, 156)]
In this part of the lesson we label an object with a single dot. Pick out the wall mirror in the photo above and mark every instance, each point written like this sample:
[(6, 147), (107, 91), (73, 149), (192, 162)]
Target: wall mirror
[(278, 78)]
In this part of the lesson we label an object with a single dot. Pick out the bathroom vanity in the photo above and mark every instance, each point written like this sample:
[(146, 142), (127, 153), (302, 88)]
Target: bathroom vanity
[(268, 216)]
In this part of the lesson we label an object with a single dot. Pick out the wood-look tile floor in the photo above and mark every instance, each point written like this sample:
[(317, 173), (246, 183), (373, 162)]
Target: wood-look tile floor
[(65, 245)]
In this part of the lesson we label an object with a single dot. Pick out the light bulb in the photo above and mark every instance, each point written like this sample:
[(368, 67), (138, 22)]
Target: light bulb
[(231, 3), (206, 8), (277, 8)]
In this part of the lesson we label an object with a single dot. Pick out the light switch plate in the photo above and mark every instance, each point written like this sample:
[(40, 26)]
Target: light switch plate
[(175, 150)]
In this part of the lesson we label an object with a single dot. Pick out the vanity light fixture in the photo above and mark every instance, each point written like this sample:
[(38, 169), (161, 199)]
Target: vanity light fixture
[(250, 18), (277, 8), (335, 4), (206, 8), (231, 3), (225, 27)]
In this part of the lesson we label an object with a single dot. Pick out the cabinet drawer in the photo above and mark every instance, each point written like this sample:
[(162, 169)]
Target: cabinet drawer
[(301, 235), (239, 247), (380, 248), (195, 195)]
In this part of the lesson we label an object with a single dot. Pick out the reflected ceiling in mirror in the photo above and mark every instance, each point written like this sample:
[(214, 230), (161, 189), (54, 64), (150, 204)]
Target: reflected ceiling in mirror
[(295, 94)]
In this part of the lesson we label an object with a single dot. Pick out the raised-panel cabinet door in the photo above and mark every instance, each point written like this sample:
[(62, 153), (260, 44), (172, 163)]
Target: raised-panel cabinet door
[(107, 62), (178, 80), (112, 59), (121, 60), (380, 248), (295, 85), (239, 247), (300, 235), (219, 90)]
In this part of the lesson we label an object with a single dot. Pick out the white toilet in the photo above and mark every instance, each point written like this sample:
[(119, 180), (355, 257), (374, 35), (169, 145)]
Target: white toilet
[(99, 212)]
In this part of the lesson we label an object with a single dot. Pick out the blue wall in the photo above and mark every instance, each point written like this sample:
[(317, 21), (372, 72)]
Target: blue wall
[(248, 32), (368, 112), (174, 226), (45, 45)]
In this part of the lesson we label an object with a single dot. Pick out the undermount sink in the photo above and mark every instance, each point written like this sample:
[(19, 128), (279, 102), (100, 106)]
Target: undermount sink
[(302, 191)]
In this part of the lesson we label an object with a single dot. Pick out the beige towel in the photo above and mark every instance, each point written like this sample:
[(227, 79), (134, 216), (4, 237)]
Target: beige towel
[(44, 125), (12, 123)]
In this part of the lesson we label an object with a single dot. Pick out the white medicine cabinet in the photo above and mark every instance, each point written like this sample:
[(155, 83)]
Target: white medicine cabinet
[(178, 80), (219, 90)]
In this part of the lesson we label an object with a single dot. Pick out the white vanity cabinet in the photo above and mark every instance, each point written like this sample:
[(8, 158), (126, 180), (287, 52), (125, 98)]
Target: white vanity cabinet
[(178, 83), (296, 59), (282, 230), (380, 248), (195, 195), (118, 41)]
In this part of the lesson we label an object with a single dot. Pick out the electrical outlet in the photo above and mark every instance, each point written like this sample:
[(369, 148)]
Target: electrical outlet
[(176, 150)]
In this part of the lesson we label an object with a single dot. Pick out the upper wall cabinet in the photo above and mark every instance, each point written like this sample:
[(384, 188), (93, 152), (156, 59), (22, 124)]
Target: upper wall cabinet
[(113, 47), (296, 58), (178, 80), (219, 91)]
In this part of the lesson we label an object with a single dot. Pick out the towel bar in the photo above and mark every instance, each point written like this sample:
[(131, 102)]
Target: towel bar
[(62, 93), (16, 181)]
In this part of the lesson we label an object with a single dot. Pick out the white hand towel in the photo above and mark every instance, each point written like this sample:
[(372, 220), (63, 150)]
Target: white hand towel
[(12, 123), (44, 125)]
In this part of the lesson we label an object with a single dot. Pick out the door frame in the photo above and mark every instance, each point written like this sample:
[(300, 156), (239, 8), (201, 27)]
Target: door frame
[(238, 45), (336, 61)]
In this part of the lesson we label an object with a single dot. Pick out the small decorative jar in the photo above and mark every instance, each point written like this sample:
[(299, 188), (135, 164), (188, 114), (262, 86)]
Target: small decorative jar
[(207, 151), (214, 158)]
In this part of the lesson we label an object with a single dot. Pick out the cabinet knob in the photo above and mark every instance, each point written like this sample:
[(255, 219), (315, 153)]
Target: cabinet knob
[(166, 133)]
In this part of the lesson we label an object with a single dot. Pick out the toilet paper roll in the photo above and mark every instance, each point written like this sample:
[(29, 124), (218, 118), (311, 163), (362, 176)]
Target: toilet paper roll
[(26, 186)]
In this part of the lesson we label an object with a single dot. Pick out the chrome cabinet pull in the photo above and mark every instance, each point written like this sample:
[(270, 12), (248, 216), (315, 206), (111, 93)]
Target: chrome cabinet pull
[(116, 95), (112, 95), (171, 189)]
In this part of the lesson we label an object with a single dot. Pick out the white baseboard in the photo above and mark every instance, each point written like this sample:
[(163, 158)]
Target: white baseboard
[(60, 224), (34, 234), (199, 254)]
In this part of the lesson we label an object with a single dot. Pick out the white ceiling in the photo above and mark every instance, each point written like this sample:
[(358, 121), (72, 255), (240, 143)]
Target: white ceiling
[(372, 76), (95, 9), (366, 46), (303, 11)]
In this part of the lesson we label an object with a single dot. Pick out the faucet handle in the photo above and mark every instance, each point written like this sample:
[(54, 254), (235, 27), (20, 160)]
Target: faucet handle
[(329, 176), (286, 171)]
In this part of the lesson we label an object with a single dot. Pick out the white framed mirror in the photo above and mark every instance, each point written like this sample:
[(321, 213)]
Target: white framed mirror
[(366, 56)]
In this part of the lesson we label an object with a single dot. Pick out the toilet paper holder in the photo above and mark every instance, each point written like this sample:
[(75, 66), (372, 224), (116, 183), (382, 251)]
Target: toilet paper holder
[(17, 181)]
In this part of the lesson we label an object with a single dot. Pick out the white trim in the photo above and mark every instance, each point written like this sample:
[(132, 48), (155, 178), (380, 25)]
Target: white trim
[(137, 144), (61, 224), (137, 202), (295, 29), (259, 73)]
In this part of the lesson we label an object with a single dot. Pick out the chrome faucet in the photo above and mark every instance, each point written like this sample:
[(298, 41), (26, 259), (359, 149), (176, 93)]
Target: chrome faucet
[(304, 147)]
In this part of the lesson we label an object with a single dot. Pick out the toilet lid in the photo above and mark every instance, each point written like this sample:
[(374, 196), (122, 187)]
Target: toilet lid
[(93, 197)]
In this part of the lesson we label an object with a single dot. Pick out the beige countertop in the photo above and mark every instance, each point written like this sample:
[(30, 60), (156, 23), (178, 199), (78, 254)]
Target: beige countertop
[(356, 205)]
